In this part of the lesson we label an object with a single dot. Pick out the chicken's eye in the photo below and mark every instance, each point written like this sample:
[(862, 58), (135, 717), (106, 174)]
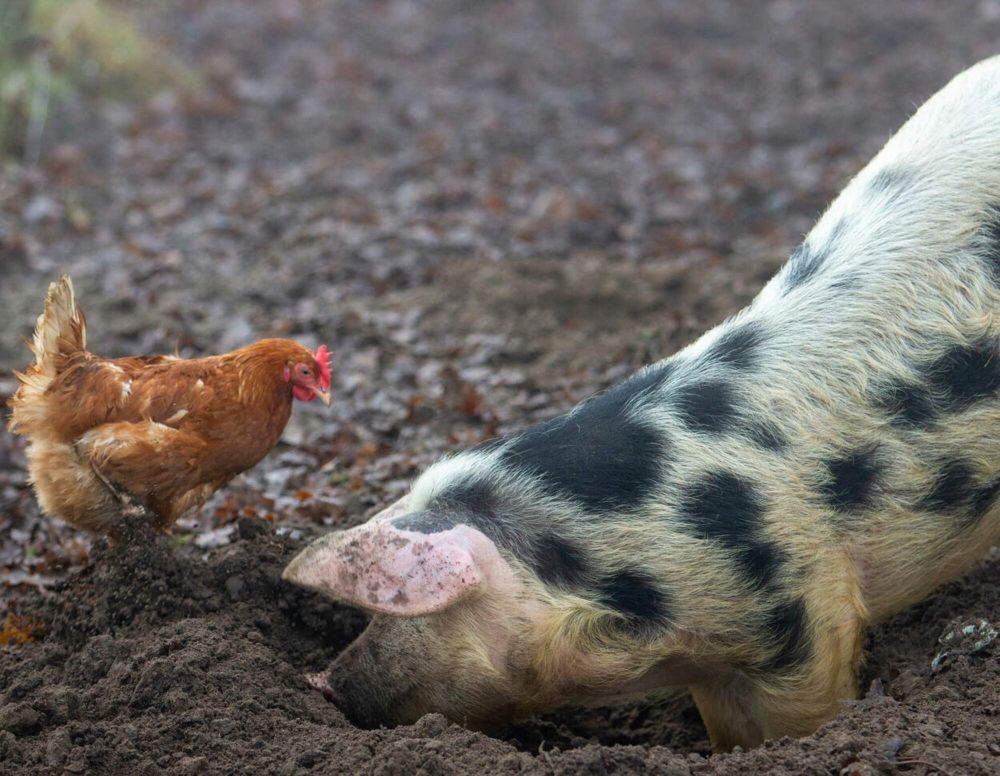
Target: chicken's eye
[(304, 371)]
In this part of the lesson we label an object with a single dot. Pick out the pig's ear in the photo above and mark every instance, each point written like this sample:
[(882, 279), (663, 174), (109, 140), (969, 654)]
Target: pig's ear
[(381, 567)]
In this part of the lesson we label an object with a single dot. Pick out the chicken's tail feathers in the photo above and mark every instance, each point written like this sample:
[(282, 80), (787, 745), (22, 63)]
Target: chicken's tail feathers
[(61, 329)]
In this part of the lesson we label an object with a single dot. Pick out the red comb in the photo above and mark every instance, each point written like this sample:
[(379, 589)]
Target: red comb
[(323, 360)]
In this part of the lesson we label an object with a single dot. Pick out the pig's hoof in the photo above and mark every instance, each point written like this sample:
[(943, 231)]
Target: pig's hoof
[(319, 683)]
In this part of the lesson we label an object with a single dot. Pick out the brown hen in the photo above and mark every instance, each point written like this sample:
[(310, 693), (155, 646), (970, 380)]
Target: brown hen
[(111, 439)]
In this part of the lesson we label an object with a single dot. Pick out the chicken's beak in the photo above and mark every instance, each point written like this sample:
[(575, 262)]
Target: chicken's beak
[(324, 395)]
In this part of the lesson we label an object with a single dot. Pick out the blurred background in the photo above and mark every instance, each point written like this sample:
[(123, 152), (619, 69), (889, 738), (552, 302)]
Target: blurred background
[(488, 210)]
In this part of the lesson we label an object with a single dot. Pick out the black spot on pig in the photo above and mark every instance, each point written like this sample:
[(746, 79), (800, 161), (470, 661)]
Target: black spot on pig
[(965, 374), (645, 380), (787, 633), (598, 455), (727, 509), (559, 562), (706, 405), (472, 495), (765, 434), (802, 265), (847, 282), (952, 488), (909, 404), (984, 499), (761, 561), (807, 260), (955, 492), (430, 522), (636, 595), (891, 182), (738, 347), (991, 236), (852, 481), (473, 501)]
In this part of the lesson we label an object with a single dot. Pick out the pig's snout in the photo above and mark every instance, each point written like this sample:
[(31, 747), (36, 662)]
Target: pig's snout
[(361, 703), (321, 684), (367, 694), (348, 696)]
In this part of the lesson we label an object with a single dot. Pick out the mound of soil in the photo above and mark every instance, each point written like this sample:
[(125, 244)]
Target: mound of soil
[(160, 660), (488, 211)]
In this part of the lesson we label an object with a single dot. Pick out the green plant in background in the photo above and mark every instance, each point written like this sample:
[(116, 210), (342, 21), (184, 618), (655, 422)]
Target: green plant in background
[(51, 50)]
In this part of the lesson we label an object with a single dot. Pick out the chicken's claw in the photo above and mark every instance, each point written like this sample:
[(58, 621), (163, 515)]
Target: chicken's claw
[(129, 507)]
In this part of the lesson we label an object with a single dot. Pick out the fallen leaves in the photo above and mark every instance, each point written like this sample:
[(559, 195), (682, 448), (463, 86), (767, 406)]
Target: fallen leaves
[(18, 629)]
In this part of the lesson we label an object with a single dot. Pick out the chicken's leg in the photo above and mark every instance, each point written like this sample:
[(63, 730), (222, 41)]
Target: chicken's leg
[(129, 507)]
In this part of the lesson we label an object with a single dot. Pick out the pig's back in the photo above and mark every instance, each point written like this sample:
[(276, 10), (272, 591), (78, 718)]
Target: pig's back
[(843, 425)]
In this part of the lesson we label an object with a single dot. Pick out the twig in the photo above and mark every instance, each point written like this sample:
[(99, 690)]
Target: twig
[(937, 768)]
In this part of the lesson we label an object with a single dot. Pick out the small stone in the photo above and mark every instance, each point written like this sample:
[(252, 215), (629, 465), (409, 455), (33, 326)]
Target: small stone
[(309, 759), (292, 533), (964, 637), (890, 746), (858, 769), (993, 749)]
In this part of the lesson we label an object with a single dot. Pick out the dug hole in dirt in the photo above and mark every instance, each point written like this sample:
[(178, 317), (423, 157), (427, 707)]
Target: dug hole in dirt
[(488, 214)]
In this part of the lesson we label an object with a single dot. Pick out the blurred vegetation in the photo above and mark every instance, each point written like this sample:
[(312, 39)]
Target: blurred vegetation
[(53, 50)]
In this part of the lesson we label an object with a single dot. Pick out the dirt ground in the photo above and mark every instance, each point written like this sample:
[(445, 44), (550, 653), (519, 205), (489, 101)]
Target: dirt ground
[(488, 211)]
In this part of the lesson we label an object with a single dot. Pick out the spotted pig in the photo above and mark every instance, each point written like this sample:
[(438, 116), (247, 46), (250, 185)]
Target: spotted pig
[(731, 519)]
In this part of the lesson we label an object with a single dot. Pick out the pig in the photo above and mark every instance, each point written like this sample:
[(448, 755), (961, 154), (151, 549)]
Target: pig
[(731, 519)]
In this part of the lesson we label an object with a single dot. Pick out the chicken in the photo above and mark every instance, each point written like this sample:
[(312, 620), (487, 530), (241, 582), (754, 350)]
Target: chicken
[(113, 439)]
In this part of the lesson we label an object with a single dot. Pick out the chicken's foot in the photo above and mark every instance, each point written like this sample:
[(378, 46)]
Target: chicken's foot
[(129, 507)]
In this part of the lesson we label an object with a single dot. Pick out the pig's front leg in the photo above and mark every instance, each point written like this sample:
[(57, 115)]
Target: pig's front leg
[(748, 709), (731, 711)]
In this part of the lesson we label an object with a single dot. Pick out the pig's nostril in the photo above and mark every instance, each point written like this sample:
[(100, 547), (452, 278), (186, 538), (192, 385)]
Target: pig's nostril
[(319, 682)]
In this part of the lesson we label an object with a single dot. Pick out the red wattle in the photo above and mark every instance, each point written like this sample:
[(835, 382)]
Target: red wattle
[(302, 393)]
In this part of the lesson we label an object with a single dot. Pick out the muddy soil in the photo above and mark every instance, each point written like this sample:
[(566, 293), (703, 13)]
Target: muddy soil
[(488, 211)]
